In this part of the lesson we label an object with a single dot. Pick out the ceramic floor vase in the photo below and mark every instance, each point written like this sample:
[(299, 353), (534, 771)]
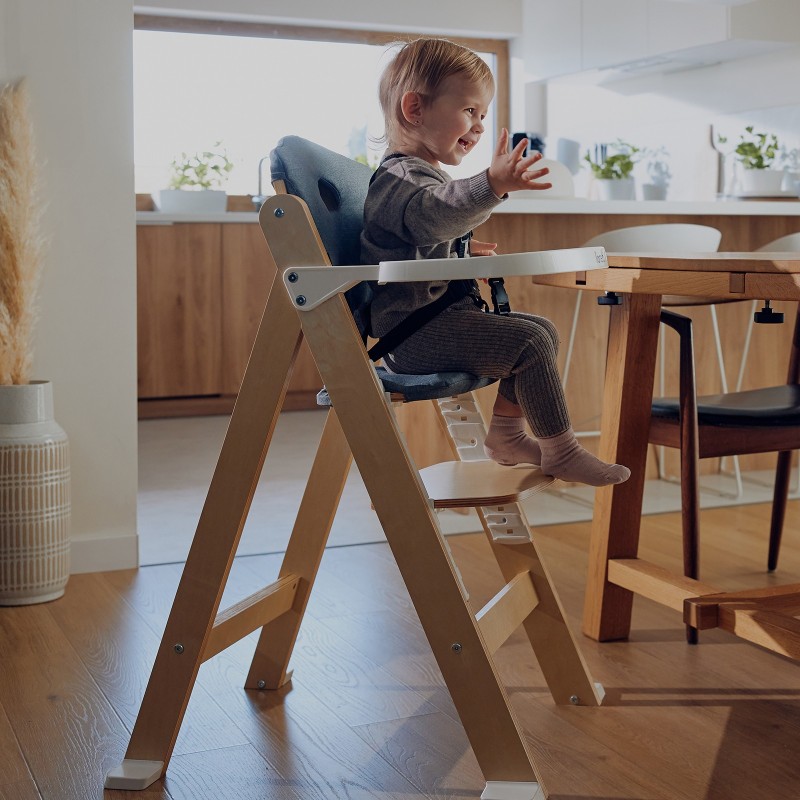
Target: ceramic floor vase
[(34, 496)]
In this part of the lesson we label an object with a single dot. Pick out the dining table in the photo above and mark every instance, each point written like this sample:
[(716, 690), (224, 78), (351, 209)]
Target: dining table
[(633, 286)]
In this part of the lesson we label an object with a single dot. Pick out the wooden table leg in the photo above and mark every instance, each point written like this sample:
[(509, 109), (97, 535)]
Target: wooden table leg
[(627, 397)]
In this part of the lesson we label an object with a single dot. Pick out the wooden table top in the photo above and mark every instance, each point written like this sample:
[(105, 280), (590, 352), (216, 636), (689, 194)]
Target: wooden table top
[(729, 276), (708, 262)]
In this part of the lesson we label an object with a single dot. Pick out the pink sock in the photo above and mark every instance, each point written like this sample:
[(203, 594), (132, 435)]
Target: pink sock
[(507, 442), (563, 457)]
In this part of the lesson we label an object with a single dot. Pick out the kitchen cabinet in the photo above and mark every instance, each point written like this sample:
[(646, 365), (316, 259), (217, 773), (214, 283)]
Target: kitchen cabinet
[(178, 310), (202, 288), (564, 37), (614, 31), (248, 272)]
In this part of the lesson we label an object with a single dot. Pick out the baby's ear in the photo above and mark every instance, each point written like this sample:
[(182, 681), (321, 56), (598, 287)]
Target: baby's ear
[(412, 106)]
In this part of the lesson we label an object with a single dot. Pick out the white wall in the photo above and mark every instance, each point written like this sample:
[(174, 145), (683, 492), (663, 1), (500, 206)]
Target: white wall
[(77, 59), (497, 19)]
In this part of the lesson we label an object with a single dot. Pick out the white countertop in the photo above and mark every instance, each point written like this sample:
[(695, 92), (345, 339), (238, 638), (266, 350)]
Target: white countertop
[(764, 208)]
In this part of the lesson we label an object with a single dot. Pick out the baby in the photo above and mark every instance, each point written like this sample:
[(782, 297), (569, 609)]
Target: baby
[(435, 96)]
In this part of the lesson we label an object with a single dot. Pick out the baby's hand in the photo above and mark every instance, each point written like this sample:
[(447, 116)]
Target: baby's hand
[(509, 172), (477, 248)]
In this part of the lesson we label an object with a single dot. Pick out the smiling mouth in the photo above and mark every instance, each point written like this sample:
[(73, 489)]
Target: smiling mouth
[(465, 145)]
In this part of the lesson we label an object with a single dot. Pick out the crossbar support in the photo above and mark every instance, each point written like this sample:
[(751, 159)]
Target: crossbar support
[(507, 610), (251, 613)]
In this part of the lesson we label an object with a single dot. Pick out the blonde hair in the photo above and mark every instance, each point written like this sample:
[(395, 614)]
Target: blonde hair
[(421, 66)]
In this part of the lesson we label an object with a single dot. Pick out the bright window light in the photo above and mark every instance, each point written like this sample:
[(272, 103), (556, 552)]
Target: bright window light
[(193, 90)]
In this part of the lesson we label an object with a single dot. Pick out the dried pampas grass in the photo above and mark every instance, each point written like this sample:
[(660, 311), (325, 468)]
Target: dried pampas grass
[(21, 244)]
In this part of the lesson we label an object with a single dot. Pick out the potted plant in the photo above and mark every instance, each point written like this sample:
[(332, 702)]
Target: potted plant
[(756, 152), (196, 181), (658, 172), (34, 451), (790, 160), (613, 172)]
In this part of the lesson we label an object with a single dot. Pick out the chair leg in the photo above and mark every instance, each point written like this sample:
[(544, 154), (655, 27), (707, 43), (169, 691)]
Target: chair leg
[(782, 475), (690, 521)]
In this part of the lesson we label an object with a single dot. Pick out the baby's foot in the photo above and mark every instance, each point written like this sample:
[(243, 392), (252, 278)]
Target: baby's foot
[(508, 444), (564, 458)]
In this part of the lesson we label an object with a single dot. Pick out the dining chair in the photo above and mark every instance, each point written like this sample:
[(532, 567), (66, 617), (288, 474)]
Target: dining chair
[(761, 420)]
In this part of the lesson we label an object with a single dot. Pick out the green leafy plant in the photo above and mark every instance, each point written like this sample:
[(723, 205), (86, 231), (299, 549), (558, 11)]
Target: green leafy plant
[(616, 166), (207, 169), (755, 150)]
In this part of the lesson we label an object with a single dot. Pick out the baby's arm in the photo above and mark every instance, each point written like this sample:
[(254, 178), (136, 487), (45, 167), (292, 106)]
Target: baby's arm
[(509, 172), (417, 203)]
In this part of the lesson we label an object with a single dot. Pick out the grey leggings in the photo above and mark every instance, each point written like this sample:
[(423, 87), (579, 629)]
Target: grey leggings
[(520, 349)]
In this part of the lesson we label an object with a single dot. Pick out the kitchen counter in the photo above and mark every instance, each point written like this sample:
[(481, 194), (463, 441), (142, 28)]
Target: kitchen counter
[(733, 208), (162, 218)]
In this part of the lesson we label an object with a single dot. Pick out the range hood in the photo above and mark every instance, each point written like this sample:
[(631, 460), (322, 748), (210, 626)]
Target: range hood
[(690, 58)]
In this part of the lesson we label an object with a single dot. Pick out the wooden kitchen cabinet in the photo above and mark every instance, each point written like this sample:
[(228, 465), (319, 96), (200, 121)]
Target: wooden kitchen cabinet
[(248, 272), (202, 288), (178, 310)]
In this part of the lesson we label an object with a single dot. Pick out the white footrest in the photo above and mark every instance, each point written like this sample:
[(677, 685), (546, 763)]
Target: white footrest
[(134, 774), (513, 790)]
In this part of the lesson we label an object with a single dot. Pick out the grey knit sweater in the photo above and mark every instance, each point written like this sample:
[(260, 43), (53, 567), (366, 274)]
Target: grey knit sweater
[(416, 211)]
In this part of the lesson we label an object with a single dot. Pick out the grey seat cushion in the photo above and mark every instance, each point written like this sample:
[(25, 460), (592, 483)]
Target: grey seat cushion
[(422, 387)]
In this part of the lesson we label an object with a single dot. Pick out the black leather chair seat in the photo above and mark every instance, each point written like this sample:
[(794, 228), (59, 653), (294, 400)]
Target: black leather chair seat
[(773, 406)]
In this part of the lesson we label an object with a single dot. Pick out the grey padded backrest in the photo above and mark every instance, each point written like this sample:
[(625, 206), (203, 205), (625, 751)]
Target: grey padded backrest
[(333, 186)]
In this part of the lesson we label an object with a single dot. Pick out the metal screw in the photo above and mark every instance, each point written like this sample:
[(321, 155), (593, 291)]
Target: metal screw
[(292, 277), (178, 648), (574, 699), (279, 212), (300, 299), (261, 684), (456, 648)]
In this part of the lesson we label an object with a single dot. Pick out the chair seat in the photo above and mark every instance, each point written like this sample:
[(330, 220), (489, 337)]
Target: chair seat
[(422, 387), (772, 406)]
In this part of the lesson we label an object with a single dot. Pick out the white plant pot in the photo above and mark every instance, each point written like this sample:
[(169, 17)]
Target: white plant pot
[(34, 496), (761, 182), (184, 201), (621, 189), (654, 191)]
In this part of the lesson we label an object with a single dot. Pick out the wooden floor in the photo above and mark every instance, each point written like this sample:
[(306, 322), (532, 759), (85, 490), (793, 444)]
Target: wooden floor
[(366, 715)]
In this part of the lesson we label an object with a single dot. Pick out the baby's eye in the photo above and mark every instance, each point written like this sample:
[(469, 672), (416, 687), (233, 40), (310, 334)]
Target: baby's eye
[(470, 110)]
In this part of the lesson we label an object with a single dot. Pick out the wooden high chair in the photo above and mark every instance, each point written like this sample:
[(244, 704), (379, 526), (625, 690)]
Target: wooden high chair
[(306, 301)]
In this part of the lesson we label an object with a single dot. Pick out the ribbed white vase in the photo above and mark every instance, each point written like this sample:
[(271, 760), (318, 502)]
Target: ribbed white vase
[(34, 496)]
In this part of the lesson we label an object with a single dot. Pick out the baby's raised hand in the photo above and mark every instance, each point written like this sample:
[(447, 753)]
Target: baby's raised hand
[(510, 172)]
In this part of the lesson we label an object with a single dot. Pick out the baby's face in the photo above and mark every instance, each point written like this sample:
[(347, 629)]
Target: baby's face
[(452, 124)]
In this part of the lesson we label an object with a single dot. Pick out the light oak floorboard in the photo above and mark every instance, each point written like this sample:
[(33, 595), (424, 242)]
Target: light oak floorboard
[(367, 714)]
